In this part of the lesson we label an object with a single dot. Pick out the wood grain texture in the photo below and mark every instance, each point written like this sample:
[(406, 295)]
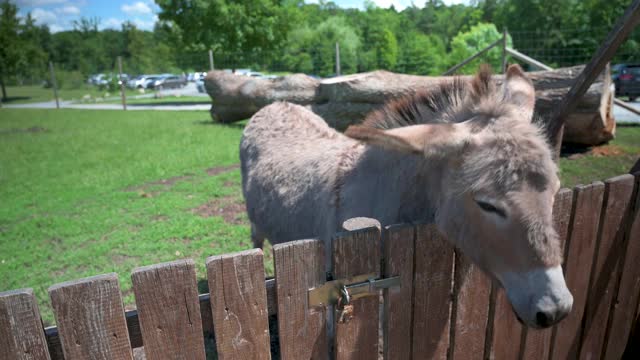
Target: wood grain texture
[(169, 310), (432, 293), (90, 318), (623, 312), (577, 268), (506, 340), (299, 266), (538, 342), (607, 261), (21, 332), (239, 305), (398, 245), (357, 253), (471, 309)]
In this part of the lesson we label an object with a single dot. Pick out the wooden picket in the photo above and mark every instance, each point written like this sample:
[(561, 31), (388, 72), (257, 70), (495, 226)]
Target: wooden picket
[(444, 308)]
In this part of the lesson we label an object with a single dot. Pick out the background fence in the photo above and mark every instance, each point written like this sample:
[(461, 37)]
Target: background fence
[(444, 308)]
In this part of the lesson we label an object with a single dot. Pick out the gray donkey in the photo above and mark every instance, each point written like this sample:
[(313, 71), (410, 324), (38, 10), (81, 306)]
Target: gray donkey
[(465, 156)]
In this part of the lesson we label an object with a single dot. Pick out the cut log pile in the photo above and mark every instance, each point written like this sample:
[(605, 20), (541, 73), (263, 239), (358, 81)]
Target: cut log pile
[(346, 100)]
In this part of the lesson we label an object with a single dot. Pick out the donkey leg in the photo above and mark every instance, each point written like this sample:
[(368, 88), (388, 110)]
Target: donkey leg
[(257, 237)]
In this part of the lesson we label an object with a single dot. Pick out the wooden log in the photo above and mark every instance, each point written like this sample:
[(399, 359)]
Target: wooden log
[(577, 267), (398, 244), (433, 286), (357, 252), (299, 266), (169, 310), (91, 319), (239, 305), (21, 335), (538, 342), (346, 100), (607, 262)]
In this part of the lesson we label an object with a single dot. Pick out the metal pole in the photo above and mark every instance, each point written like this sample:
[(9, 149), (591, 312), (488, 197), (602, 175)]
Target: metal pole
[(338, 59), (625, 24), (54, 84), (504, 51), (473, 57), (211, 60), (122, 92)]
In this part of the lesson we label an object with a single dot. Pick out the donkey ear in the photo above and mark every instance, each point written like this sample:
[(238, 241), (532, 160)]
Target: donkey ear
[(519, 91), (425, 139)]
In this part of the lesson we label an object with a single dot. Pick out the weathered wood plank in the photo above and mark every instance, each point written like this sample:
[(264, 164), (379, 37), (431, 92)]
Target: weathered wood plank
[(239, 305), (133, 325), (398, 246), (623, 312), (357, 253), (607, 262), (432, 293), (299, 266), (21, 332), (169, 310), (577, 269), (506, 339), (538, 342), (90, 318), (471, 309)]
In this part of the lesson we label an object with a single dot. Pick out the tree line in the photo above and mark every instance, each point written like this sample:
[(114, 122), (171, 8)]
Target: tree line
[(289, 35)]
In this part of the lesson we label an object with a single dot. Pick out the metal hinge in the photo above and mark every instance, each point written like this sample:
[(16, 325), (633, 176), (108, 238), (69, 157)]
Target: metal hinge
[(357, 287)]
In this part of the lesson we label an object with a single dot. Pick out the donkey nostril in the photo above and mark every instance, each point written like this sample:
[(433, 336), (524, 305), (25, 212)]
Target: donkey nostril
[(543, 319)]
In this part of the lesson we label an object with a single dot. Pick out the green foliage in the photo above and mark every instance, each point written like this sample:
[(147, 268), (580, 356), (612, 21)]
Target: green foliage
[(422, 54), (323, 44), (465, 44)]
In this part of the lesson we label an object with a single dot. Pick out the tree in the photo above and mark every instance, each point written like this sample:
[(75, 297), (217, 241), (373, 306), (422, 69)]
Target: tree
[(240, 28), (11, 52), (465, 44), (422, 54), (332, 31)]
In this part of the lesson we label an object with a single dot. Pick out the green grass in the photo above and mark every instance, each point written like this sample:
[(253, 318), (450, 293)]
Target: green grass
[(82, 193), (30, 94), (590, 166)]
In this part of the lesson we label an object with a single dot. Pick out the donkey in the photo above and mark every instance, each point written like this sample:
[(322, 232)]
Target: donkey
[(465, 156)]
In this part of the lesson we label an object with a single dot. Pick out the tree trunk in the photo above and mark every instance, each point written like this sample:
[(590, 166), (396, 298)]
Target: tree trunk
[(4, 89), (346, 100)]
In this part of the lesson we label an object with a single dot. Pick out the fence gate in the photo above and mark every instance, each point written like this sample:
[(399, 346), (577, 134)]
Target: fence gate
[(410, 296)]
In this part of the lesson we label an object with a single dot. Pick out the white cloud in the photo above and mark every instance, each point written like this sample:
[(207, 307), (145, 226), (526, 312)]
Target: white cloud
[(68, 10), (44, 17), (54, 28), (111, 23), (145, 24), (31, 3), (136, 8)]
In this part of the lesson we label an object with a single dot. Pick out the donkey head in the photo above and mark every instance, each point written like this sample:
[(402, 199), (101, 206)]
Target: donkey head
[(498, 182)]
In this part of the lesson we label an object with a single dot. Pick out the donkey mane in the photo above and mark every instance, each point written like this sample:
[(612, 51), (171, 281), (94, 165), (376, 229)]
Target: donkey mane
[(451, 101)]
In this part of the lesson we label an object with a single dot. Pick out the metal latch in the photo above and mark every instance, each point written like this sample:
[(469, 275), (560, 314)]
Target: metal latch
[(354, 288)]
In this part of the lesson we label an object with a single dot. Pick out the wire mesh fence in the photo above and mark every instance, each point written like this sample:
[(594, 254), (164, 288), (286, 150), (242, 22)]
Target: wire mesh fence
[(179, 77)]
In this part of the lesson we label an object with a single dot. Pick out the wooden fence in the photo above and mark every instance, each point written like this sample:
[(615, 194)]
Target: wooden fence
[(444, 308)]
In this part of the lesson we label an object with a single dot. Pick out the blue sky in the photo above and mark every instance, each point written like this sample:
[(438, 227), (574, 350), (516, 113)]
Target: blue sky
[(60, 14)]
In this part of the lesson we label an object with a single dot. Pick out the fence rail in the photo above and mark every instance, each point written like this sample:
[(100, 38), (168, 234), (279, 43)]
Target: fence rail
[(445, 308)]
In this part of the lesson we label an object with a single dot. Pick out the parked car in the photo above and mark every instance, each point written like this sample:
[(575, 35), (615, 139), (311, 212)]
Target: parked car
[(200, 85), (626, 78), (168, 82), (139, 82)]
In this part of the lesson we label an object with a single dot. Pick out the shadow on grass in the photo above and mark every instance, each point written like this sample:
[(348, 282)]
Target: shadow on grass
[(11, 99), (169, 103), (209, 122)]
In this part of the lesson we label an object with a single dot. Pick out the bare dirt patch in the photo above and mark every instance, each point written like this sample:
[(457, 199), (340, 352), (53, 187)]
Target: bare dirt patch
[(597, 151), (221, 169), (226, 207)]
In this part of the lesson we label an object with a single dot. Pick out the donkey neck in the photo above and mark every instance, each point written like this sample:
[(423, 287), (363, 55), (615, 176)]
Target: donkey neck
[(393, 187)]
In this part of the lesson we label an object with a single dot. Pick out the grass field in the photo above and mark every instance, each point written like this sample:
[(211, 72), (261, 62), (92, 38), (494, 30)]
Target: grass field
[(87, 192), (30, 94)]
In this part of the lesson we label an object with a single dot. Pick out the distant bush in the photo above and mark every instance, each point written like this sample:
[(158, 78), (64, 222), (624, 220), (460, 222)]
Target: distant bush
[(69, 80)]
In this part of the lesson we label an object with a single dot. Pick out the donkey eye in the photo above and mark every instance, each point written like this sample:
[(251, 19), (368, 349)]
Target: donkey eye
[(491, 208)]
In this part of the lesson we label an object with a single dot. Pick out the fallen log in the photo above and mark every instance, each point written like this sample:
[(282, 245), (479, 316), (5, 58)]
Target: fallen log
[(346, 100)]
